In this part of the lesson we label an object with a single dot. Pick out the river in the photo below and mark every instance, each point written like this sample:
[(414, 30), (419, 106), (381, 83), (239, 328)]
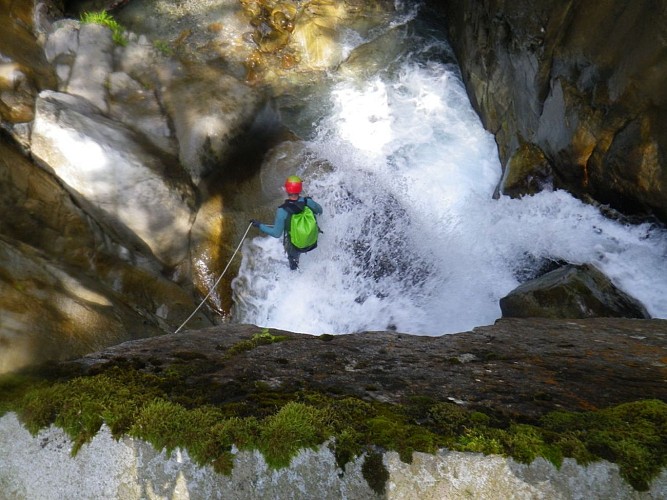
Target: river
[(413, 239)]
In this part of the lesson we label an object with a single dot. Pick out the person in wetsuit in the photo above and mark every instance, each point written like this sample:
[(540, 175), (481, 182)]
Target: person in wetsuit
[(281, 224)]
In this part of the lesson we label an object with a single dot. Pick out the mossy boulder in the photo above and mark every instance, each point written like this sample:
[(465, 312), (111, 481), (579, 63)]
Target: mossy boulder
[(571, 292), (216, 391)]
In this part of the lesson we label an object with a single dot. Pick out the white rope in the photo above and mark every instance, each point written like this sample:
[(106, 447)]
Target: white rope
[(218, 281)]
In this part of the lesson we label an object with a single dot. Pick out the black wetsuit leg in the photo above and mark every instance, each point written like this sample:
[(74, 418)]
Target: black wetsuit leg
[(292, 255)]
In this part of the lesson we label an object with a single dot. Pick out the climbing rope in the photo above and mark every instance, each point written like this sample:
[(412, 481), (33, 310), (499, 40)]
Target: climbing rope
[(218, 281)]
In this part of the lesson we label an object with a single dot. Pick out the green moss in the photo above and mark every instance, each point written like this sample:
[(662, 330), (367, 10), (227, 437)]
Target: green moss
[(13, 387), (487, 441), (241, 432), (632, 435), (81, 405), (391, 432), (525, 443), (448, 418), (103, 18), (164, 47), (295, 427), (375, 473), (168, 426), (257, 340), (174, 409)]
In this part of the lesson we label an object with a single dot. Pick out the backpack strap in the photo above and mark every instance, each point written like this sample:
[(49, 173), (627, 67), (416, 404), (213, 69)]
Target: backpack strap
[(293, 207), (305, 204)]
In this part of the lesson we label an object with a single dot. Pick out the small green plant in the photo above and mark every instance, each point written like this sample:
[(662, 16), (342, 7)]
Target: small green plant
[(103, 18), (163, 47), (257, 340)]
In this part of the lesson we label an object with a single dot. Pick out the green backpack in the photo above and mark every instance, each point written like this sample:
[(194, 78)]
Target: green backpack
[(301, 225)]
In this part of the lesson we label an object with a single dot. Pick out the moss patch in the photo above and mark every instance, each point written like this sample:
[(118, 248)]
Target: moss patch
[(167, 410), (375, 473), (257, 340)]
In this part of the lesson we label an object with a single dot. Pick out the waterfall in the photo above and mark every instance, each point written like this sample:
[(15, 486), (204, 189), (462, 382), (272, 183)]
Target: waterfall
[(413, 239)]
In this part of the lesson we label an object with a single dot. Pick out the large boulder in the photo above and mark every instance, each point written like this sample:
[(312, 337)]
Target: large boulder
[(571, 292), (144, 196), (581, 81)]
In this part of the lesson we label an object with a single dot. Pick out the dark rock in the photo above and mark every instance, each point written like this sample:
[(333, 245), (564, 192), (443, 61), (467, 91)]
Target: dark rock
[(571, 292), (581, 81), (518, 367), (528, 172)]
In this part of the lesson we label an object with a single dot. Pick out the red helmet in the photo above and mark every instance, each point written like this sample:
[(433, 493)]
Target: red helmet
[(293, 185)]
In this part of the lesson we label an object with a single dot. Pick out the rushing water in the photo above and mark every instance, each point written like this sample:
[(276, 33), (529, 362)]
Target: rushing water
[(413, 239)]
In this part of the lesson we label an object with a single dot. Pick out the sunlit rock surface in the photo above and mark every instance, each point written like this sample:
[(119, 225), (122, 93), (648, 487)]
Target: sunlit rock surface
[(92, 65), (41, 467), (262, 42), (106, 165)]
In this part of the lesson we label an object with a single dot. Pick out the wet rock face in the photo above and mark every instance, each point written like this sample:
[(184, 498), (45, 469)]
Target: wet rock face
[(581, 81), (263, 42), (571, 292), (527, 172)]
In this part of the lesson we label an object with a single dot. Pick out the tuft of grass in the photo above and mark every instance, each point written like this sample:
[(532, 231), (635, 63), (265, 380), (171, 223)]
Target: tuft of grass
[(163, 47), (103, 18)]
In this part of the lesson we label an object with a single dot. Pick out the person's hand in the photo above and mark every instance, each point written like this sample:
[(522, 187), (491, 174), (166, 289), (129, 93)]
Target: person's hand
[(255, 223)]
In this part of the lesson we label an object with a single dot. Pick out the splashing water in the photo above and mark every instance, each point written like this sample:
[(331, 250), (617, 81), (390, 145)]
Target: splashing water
[(413, 240)]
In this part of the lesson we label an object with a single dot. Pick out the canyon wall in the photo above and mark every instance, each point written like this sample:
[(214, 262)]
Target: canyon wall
[(573, 91)]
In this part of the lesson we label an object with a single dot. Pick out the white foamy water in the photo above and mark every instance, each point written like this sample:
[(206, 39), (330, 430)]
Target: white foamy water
[(413, 239)]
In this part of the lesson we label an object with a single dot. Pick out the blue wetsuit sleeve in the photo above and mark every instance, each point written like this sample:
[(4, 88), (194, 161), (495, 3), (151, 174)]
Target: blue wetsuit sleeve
[(278, 224), (314, 206)]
